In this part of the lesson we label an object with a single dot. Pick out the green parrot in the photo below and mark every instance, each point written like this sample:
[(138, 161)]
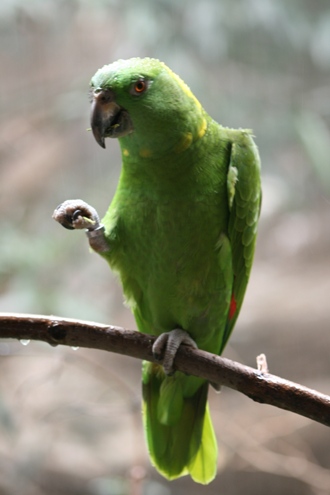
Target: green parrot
[(180, 232)]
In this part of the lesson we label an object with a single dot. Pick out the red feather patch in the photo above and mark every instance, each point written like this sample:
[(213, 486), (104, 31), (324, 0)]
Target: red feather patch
[(232, 307)]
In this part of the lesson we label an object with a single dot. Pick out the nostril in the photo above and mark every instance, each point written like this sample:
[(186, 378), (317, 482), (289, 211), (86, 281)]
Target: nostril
[(103, 96)]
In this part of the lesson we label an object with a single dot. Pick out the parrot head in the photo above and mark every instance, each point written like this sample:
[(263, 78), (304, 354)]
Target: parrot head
[(143, 101)]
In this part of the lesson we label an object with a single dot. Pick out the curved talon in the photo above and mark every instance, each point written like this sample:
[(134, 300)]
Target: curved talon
[(76, 214), (167, 345), (63, 218)]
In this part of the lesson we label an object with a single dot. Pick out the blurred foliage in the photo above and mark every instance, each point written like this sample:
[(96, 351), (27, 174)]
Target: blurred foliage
[(70, 421)]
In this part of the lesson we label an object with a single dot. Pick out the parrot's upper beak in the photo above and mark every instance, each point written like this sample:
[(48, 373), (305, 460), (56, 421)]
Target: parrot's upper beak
[(108, 119)]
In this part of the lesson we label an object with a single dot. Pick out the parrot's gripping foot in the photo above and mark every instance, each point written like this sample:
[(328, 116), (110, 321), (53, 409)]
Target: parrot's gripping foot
[(76, 214), (167, 344)]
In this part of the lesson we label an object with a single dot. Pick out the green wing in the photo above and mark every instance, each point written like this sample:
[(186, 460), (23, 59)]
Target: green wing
[(244, 198)]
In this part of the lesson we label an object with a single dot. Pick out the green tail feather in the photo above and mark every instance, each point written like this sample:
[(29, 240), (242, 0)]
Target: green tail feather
[(178, 425)]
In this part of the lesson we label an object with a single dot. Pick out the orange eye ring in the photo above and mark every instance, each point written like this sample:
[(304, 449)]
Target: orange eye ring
[(140, 86)]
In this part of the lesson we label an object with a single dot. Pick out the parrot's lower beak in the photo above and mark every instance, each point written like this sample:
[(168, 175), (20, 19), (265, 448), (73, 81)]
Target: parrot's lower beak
[(108, 119)]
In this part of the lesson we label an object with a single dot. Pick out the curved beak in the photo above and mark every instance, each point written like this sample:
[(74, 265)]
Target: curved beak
[(103, 115)]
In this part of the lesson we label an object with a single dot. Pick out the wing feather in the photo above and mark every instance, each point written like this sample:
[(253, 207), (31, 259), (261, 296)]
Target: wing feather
[(244, 215)]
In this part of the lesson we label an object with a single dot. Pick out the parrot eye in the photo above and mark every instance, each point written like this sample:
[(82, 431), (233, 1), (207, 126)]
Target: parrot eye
[(139, 87)]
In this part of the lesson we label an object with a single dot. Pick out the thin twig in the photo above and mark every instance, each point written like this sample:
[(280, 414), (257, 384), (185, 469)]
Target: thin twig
[(259, 386)]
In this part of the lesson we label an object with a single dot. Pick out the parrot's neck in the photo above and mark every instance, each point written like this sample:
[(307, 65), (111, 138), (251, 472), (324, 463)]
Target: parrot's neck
[(164, 145), (177, 168)]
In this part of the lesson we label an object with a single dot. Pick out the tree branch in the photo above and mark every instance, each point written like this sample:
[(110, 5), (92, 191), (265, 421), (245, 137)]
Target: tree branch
[(259, 386)]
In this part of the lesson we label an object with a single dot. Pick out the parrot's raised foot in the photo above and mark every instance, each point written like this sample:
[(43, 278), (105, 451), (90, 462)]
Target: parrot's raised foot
[(76, 214), (167, 344)]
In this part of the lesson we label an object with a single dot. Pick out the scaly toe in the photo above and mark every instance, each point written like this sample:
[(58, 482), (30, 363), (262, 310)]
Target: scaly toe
[(167, 345)]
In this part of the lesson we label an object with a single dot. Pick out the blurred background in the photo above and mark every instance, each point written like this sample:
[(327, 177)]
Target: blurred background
[(70, 420)]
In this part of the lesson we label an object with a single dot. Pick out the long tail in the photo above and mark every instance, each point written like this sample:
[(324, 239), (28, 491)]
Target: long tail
[(178, 425)]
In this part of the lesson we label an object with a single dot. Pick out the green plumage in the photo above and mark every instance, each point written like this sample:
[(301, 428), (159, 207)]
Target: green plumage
[(181, 231)]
